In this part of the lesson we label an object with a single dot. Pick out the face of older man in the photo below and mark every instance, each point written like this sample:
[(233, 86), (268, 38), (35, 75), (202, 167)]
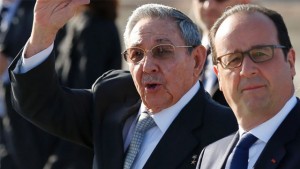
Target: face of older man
[(164, 75), (255, 91)]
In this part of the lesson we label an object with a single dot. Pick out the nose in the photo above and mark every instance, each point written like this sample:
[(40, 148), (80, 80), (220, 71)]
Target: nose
[(248, 67), (150, 64)]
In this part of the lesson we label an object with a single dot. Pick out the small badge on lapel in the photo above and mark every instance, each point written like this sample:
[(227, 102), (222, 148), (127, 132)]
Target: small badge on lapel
[(194, 159)]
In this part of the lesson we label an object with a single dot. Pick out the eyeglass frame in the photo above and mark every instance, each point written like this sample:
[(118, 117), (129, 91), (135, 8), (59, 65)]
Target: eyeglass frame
[(218, 59), (150, 50)]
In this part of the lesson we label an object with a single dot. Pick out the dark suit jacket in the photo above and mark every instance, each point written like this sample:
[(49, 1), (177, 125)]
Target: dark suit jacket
[(281, 151), (95, 118)]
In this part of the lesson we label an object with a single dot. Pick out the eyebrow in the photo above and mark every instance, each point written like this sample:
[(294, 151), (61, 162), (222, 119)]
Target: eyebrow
[(163, 40)]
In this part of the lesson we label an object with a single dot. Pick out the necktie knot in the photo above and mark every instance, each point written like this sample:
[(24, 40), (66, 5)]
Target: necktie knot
[(246, 141), (4, 9), (145, 122)]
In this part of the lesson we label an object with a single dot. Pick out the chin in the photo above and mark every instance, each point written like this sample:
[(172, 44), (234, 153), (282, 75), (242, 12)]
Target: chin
[(155, 106)]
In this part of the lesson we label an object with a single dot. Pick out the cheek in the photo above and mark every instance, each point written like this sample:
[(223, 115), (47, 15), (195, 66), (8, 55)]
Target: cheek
[(228, 81), (179, 76), (136, 73)]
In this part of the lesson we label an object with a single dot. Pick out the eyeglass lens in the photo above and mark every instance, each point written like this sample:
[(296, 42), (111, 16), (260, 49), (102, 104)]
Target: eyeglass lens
[(259, 54), (161, 52)]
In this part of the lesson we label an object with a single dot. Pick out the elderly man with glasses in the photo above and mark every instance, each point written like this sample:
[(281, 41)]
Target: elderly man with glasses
[(155, 116), (255, 63)]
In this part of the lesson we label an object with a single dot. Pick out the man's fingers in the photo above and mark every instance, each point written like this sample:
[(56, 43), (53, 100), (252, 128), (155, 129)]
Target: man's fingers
[(49, 17)]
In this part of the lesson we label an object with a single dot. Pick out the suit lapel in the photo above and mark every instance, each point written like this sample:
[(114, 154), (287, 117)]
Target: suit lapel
[(169, 154), (223, 159), (113, 144), (275, 149), (179, 141)]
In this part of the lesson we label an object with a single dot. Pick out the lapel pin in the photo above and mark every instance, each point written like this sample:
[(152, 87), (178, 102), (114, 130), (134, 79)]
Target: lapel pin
[(273, 161), (194, 160)]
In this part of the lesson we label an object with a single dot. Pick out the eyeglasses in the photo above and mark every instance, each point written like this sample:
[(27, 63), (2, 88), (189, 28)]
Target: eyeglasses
[(161, 52), (257, 54), (219, 1)]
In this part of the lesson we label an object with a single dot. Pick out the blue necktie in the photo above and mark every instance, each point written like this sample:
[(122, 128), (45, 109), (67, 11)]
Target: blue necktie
[(240, 154), (144, 123)]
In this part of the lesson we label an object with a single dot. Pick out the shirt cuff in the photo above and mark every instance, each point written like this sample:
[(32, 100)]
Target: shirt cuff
[(29, 63)]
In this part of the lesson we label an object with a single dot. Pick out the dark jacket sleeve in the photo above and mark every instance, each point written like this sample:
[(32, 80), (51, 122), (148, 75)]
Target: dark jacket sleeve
[(38, 97)]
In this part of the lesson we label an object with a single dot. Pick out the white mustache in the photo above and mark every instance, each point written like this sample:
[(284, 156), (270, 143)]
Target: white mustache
[(146, 79)]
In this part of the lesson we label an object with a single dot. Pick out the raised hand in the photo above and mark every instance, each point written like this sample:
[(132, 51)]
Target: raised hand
[(49, 17)]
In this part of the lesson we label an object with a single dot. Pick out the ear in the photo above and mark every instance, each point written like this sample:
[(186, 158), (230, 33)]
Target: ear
[(217, 74), (216, 70), (199, 55), (291, 59)]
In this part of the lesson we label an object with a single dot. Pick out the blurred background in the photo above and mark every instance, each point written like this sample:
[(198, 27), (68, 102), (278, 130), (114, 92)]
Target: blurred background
[(289, 9)]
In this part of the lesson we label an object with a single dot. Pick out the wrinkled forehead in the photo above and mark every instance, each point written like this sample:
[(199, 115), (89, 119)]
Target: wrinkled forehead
[(152, 31)]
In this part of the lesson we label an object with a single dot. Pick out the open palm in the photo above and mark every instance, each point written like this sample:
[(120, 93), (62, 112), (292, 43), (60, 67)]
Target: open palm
[(49, 17), (53, 14)]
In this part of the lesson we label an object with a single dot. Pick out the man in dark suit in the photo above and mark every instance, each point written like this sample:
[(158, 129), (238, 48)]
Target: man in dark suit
[(165, 58), (255, 63), (27, 146)]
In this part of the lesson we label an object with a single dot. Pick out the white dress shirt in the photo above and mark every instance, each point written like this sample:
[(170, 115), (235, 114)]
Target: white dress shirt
[(32, 62), (266, 130), (163, 120)]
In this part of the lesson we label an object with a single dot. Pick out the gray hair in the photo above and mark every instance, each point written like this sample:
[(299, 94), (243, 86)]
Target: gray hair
[(189, 30)]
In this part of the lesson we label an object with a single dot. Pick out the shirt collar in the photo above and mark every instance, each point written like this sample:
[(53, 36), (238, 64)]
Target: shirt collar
[(164, 118), (265, 130)]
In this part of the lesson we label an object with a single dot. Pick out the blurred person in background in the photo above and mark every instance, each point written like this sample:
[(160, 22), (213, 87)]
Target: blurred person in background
[(15, 25), (23, 145), (91, 45), (206, 12)]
